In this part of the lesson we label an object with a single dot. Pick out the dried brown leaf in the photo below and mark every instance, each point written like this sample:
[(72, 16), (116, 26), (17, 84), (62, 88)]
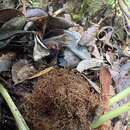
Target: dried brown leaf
[(21, 71), (41, 73), (7, 14), (105, 79)]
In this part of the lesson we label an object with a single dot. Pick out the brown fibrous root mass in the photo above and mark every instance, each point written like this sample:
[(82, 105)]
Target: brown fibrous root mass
[(61, 100)]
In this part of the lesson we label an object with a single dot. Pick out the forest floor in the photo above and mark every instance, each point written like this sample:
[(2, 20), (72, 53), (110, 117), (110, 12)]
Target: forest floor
[(62, 62)]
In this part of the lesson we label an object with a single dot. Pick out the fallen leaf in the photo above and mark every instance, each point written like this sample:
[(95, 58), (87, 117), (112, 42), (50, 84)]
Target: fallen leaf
[(21, 71), (35, 12), (58, 23), (105, 34), (68, 59), (110, 57), (126, 51), (88, 64), (95, 51), (40, 50), (65, 38), (7, 14), (6, 61), (70, 40), (6, 38), (41, 73), (106, 81), (16, 23), (89, 35), (80, 51)]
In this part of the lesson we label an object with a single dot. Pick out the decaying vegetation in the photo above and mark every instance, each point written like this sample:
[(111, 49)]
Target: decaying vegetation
[(64, 64)]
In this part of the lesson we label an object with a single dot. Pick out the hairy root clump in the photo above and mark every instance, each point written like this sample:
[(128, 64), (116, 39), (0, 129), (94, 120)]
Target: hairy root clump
[(61, 100)]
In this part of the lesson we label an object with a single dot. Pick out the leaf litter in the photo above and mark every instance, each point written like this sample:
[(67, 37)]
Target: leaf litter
[(68, 67)]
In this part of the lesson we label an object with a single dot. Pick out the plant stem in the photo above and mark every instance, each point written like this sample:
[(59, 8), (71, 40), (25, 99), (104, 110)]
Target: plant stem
[(110, 115), (119, 96), (18, 117)]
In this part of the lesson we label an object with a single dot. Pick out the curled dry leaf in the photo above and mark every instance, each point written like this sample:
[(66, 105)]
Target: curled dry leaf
[(105, 34), (126, 51), (6, 61), (40, 50), (41, 73), (5, 38), (89, 63), (21, 71), (73, 40), (39, 18), (90, 35), (65, 38), (35, 12), (58, 23), (110, 57), (7, 14), (106, 81), (95, 51), (68, 59), (16, 23), (80, 51), (70, 39)]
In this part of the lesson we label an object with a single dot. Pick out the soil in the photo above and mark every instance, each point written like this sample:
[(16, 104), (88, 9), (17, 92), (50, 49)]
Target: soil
[(61, 100)]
